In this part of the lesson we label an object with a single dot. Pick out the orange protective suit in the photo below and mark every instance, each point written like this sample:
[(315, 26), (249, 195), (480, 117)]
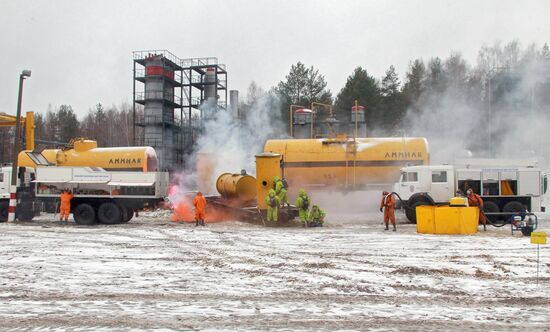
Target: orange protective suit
[(65, 208), (476, 200), (200, 203), (388, 204)]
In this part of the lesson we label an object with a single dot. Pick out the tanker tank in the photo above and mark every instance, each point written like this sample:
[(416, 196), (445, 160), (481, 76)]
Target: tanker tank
[(241, 187), (345, 162), (85, 153)]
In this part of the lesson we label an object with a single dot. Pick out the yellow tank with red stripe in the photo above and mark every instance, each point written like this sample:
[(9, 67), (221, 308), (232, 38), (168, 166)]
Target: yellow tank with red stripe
[(347, 162), (86, 153)]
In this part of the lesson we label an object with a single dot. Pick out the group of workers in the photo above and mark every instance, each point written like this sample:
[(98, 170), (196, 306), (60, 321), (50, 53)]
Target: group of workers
[(278, 197)]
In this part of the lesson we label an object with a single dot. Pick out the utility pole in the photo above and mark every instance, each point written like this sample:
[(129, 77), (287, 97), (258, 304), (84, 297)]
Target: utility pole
[(16, 148)]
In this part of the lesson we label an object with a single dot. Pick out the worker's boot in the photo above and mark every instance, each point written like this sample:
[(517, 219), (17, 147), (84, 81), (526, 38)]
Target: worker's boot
[(394, 228), (387, 228), (485, 227), (196, 222), (202, 222)]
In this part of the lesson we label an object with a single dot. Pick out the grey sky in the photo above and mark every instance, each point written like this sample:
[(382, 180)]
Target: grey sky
[(80, 52)]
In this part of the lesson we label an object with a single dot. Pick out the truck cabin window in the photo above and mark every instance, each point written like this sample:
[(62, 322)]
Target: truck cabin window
[(439, 176), (410, 177)]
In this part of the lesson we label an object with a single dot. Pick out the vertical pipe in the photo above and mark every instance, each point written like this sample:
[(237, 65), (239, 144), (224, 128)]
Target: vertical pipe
[(490, 121), (290, 117), (134, 106), (355, 140), (13, 187), (311, 126)]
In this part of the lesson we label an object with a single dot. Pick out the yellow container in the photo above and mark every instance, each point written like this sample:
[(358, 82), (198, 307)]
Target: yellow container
[(237, 186), (458, 201), (446, 220), (456, 220), (342, 161), (268, 165), (425, 219), (85, 153)]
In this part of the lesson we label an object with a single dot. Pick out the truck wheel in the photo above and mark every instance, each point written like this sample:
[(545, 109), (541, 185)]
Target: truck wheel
[(109, 213), (129, 214), (414, 201), (4, 211), (411, 212), (25, 211), (491, 207), (515, 207), (84, 214)]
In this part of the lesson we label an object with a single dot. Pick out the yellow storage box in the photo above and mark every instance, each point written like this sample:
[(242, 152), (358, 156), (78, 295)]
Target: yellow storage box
[(425, 219), (446, 220)]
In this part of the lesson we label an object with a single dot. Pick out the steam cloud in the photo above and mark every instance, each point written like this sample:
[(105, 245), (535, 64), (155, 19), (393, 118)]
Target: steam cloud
[(230, 144), (458, 121)]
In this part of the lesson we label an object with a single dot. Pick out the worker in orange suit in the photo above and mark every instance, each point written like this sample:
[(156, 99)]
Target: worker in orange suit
[(65, 208), (387, 205), (476, 200), (200, 204)]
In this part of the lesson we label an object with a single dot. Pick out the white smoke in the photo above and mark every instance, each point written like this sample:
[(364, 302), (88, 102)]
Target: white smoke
[(230, 144), (458, 122)]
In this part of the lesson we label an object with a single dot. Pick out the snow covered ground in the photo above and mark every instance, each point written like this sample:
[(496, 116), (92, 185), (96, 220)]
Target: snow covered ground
[(350, 275)]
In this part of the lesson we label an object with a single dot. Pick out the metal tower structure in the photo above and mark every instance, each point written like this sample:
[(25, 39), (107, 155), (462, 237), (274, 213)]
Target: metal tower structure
[(160, 93), (177, 97), (204, 83)]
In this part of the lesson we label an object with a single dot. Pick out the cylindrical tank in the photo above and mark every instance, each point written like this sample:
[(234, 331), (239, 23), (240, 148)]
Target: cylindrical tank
[(301, 124), (268, 165), (210, 90), (86, 153), (237, 186), (345, 162)]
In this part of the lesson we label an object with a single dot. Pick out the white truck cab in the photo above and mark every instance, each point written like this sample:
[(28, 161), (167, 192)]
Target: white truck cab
[(513, 188)]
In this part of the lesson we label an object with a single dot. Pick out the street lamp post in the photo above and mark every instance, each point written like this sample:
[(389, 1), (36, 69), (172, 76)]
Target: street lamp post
[(16, 147)]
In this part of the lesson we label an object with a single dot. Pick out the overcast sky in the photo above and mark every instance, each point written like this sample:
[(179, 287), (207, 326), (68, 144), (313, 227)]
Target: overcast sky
[(80, 52)]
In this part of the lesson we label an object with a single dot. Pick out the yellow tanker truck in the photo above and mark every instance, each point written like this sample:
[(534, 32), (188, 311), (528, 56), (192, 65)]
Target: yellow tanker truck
[(85, 153), (346, 162)]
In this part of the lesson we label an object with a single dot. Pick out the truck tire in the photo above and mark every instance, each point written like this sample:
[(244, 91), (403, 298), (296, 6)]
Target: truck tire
[(25, 211), (4, 211), (414, 201), (515, 207), (491, 207), (410, 212), (129, 213), (84, 214), (109, 213)]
